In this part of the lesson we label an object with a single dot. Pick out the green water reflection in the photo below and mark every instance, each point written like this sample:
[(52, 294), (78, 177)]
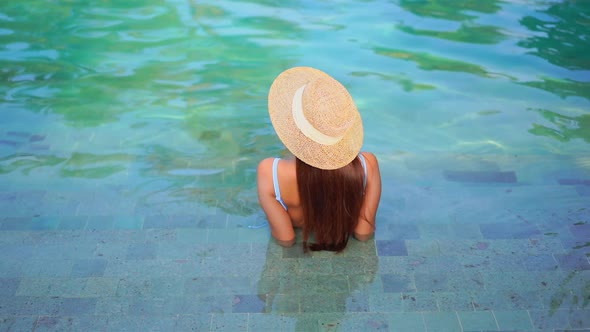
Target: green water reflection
[(171, 96), (428, 61), (564, 128), (455, 10), (563, 34)]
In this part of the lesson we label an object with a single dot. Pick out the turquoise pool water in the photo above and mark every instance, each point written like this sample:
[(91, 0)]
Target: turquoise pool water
[(130, 133)]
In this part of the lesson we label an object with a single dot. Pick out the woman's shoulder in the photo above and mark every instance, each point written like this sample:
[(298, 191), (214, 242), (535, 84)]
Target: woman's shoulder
[(370, 158)]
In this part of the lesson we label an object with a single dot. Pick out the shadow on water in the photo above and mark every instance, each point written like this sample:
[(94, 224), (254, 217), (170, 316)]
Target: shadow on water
[(317, 290)]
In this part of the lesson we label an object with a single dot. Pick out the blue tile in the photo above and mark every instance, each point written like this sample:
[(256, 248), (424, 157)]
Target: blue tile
[(431, 282), (441, 322), (477, 320), (249, 303), (77, 306), (573, 261), (17, 224), (229, 322), (517, 320), (72, 223), (128, 222), (96, 223), (581, 230), (193, 322), (550, 319), (573, 182), (407, 321), (505, 230), (142, 251), (480, 176), (89, 268), (583, 191), (17, 323), (398, 232), (141, 323), (394, 283), (8, 286), (391, 248)]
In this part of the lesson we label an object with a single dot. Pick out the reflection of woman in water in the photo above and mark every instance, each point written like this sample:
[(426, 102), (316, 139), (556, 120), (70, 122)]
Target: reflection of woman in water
[(330, 189), (318, 290)]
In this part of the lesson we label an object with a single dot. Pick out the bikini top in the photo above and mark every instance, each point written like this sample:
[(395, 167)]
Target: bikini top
[(275, 177)]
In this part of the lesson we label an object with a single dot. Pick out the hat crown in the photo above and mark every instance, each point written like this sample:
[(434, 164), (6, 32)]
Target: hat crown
[(327, 107)]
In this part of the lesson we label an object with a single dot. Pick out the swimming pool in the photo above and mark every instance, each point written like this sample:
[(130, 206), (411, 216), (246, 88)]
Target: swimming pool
[(130, 135)]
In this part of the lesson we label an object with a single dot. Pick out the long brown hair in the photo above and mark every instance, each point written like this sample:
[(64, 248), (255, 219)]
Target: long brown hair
[(331, 201)]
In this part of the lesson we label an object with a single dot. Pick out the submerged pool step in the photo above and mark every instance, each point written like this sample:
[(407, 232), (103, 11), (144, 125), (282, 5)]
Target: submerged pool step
[(481, 176)]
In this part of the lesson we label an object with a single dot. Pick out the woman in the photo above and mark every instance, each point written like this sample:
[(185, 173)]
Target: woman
[(330, 189)]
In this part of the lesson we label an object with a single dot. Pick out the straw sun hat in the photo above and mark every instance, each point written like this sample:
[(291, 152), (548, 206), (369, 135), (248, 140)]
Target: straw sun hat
[(315, 117)]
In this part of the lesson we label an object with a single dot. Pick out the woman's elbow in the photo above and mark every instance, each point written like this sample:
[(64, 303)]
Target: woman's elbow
[(363, 237)]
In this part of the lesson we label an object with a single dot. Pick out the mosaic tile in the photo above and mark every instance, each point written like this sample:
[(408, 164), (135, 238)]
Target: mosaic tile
[(391, 248), (450, 301), (549, 319), (386, 302), (395, 283), (358, 302), (322, 266), (154, 306), (415, 302), (168, 286), (112, 305), (134, 287), (46, 268), (583, 191), (504, 230), (89, 268), (323, 302), (193, 322), (441, 321), (99, 223), (231, 285), (72, 222), (128, 222), (427, 248), (407, 321), (17, 323), (283, 303), (75, 323), (99, 287), (366, 322), (480, 176), (229, 322), (8, 286), (77, 306), (398, 232), (29, 306), (17, 223), (432, 282), (477, 320), (140, 323), (579, 319), (141, 251), (249, 303), (513, 320), (573, 261)]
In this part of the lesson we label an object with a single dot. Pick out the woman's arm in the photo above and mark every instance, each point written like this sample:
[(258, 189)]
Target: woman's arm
[(365, 228), (280, 223)]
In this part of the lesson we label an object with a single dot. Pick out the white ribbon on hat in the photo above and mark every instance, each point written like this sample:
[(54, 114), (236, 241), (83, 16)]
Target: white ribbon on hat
[(305, 126)]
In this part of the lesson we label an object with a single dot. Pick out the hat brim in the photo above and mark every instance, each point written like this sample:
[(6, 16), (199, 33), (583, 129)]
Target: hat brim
[(321, 156)]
